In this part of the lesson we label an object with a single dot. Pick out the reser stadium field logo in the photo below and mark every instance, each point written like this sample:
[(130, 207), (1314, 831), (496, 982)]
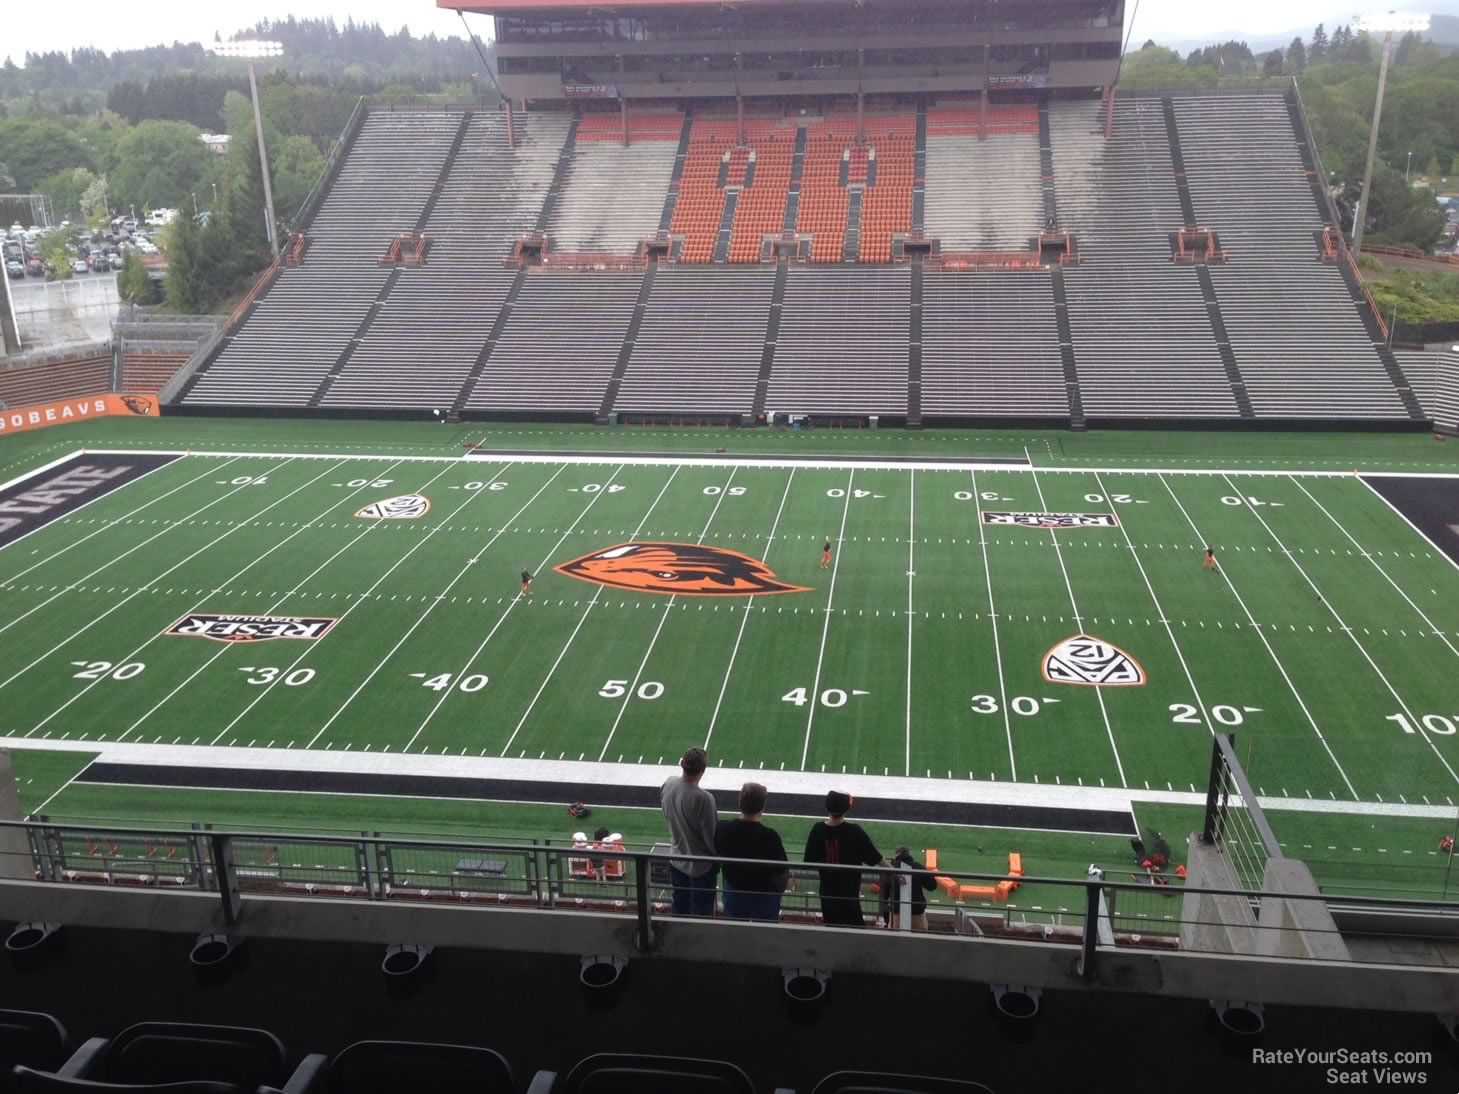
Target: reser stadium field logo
[(1092, 661), (401, 507), (1052, 520), (251, 628), (677, 569)]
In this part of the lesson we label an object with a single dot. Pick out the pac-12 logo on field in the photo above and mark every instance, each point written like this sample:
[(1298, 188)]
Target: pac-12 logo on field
[(681, 569), (251, 628), (1085, 659), (403, 507), (1053, 520)]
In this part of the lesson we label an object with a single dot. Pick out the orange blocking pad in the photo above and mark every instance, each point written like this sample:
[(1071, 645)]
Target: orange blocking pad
[(980, 892)]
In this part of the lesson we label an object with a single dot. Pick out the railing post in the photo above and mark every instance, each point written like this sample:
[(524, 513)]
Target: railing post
[(370, 845), (1090, 940), (644, 936), (226, 875)]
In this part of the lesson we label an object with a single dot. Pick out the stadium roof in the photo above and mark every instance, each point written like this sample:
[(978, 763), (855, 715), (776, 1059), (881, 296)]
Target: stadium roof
[(499, 7)]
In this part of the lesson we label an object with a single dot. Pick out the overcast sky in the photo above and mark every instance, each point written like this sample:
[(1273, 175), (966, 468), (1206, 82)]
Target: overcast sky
[(111, 25)]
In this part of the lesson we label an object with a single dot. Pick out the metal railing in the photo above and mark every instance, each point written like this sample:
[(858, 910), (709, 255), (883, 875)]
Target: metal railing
[(566, 878)]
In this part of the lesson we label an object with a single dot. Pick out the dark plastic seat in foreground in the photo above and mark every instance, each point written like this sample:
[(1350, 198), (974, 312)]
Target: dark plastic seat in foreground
[(876, 1082), (405, 1067), (179, 1058), (625, 1073), (33, 1039)]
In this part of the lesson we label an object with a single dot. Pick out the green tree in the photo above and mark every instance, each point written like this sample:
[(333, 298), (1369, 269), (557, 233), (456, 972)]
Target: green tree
[(159, 164), (1317, 50), (186, 283), (1272, 64), (55, 251), (65, 189), (296, 165), (133, 284), (93, 202), (36, 148), (7, 180), (1296, 57), (241, 208)]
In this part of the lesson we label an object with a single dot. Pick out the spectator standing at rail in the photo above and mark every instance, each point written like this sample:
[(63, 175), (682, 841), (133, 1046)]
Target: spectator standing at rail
[(922, 882), (752, 892), (691, 814), (836, 841)]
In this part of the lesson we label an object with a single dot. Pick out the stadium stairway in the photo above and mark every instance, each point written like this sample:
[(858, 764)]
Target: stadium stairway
[(914, 350), (726, 225), (671, 199), (772, 336), (919, 180), (554, 191), (483, 355), (1203, 274), (1066, 351), (630, 339), (1046, 165), (374, 309), (851, 242), (797, 168)]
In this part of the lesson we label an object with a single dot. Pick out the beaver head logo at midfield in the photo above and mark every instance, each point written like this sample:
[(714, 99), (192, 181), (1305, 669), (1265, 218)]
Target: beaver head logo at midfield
[(682, 569)]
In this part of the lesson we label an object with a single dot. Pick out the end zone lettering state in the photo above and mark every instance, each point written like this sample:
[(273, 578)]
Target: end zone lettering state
[(38, 499)]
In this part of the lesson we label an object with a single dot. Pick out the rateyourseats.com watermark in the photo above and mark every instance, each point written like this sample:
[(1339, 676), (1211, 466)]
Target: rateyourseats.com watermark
[(1353, 1067)]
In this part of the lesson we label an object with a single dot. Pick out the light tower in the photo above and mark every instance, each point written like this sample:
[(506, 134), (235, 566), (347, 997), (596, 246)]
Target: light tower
[(250, 50), (1385, 24)]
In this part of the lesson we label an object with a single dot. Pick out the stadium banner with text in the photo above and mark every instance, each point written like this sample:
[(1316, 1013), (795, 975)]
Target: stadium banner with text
[(53, 491), (18, 419)]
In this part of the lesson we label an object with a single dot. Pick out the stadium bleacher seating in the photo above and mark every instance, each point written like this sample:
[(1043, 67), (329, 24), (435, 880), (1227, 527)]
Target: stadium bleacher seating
[(1119, 199), (148, 373), (33, 1040), (1300, 342), (341, 331), (56, 380), (700, 344)]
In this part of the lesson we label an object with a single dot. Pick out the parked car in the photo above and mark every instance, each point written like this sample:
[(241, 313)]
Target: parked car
[(14, 269), (33, 267), (78, 265), (115, 261)]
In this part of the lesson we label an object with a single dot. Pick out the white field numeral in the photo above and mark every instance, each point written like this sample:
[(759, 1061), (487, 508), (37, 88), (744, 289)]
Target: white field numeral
[(267, 674), (442, 681), (102, 670), (616, 689), (1442, 724), (1187, 714), (1025, 705)]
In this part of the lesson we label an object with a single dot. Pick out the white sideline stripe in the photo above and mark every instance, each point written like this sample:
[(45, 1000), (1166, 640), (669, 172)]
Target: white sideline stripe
[(664, 618), (1079, 622), (1422, 534), (826, 628), (993, 619), (588, 774), (1416, 723), (668, 459), (104, 527), (745, 616), (1260, 633), (596, 593), (59, 460)]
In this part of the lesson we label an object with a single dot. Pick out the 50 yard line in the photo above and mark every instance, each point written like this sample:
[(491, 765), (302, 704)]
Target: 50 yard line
[(1078, 620), (745, 618), (826, 628)]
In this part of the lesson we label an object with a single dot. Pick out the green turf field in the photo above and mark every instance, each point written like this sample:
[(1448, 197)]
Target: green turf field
[(1327, 639)]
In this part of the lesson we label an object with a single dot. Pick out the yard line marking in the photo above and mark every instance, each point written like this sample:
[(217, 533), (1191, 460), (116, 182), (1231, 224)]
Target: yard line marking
[(1411, 524), (1078, 622), (212, 470), (1260, 633), (1369, 556), (1356, 641), (637, 676), (911, 573), (369, 527), (744, 619), (586, 612), (993, 618), (143, 587), (830, 596), (172, 526), (510, 605), (495, 475), (1160, 610)]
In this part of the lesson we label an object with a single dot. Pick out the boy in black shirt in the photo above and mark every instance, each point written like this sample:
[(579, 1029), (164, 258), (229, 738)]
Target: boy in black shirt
[(751, 892), (835, 841)]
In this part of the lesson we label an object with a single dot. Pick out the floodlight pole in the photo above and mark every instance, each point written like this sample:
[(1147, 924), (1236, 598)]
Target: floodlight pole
[(268, 190), (1362, 211)]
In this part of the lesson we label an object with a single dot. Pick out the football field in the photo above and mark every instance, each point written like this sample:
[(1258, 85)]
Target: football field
[(991, 642)]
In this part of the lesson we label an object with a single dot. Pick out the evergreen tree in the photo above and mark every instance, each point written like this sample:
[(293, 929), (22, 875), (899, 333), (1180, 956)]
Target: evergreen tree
[(187, 280), (133, 284), (1317, 51), (1296, 57), (242, 208), (1272, 65)]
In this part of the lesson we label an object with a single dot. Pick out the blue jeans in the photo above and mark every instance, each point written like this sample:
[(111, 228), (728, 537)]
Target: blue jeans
[(743, 904), (693, 895)]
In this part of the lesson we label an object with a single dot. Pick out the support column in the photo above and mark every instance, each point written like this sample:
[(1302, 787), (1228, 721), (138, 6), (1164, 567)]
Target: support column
[(860, 117), (623, 102), (511, 126), (1109, 112), (15, 860), (740, 119), (983, 116)]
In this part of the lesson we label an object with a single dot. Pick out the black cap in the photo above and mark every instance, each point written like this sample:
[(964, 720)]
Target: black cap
[(838, 804)]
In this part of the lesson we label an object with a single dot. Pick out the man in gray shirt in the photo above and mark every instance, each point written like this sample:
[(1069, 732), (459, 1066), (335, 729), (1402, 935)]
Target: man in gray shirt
[(692, 816)]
